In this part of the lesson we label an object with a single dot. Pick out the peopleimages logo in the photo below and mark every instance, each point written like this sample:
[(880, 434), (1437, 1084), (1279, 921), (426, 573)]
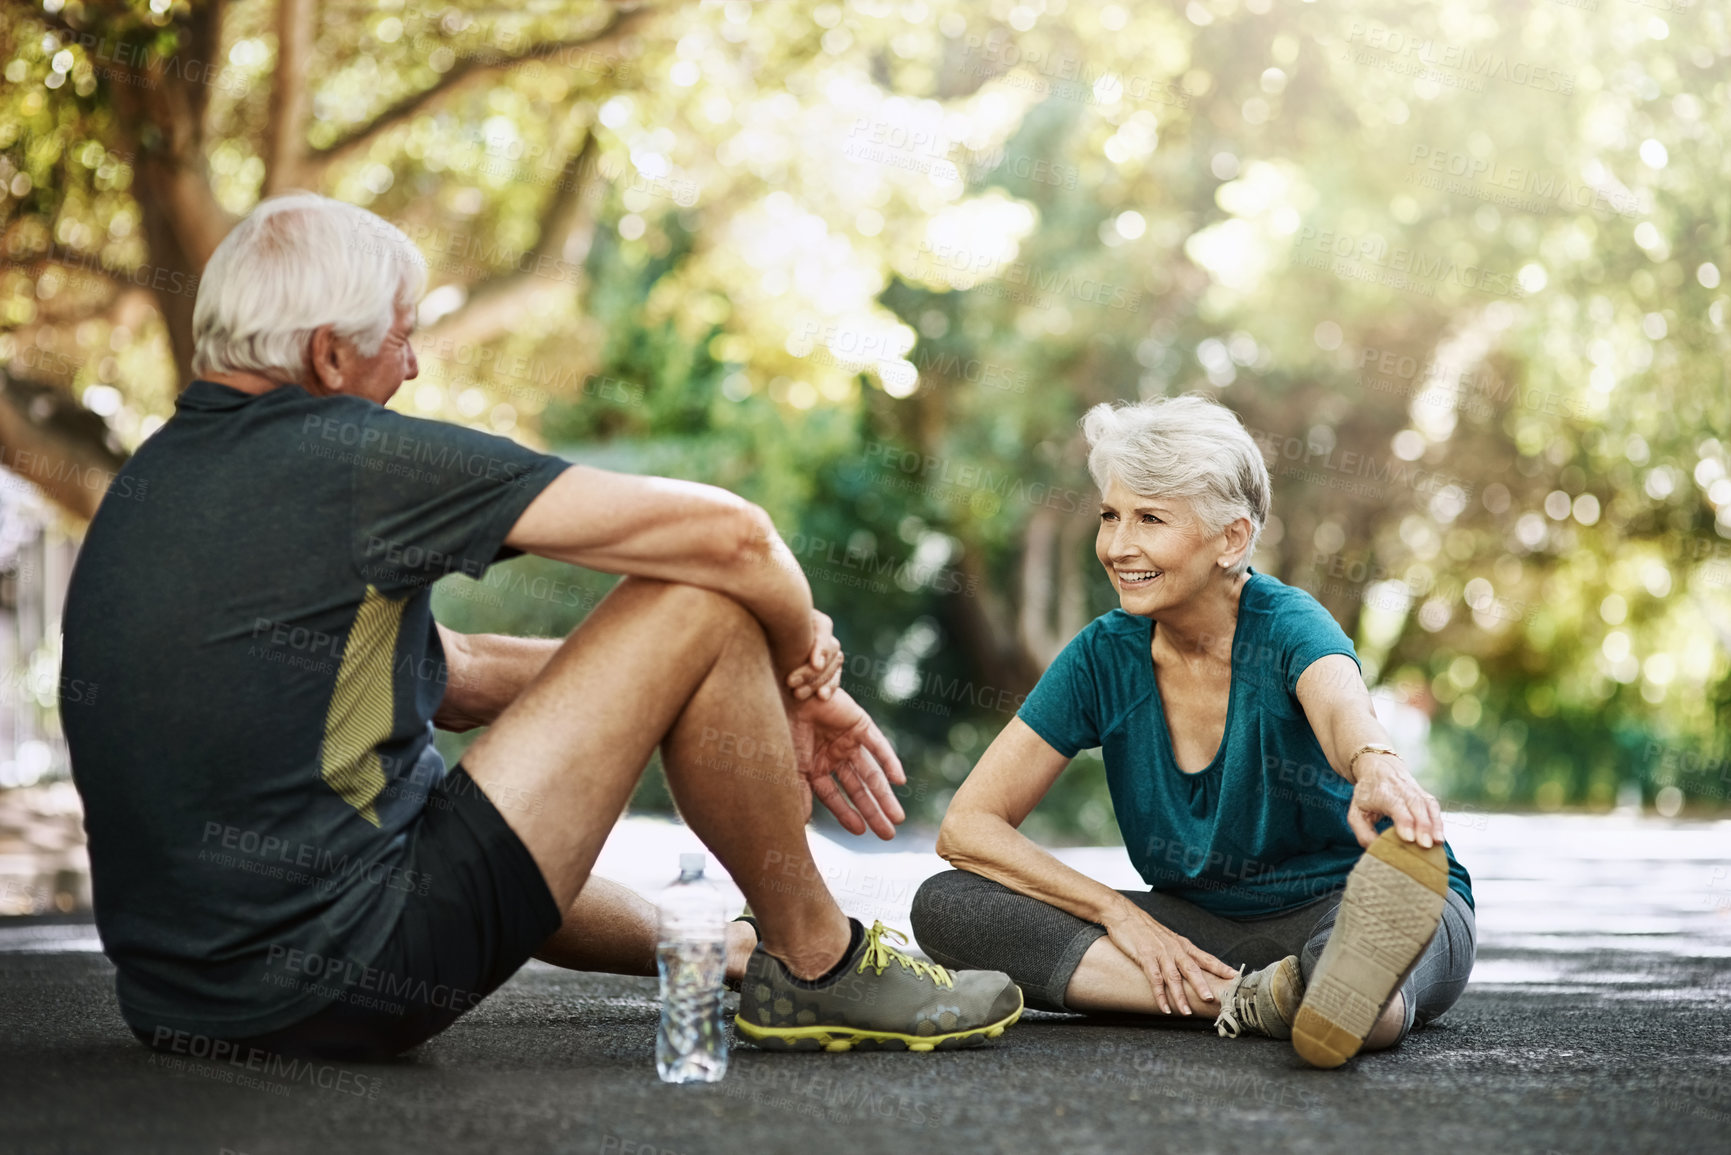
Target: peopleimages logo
[(961, 267), (1329, 460), (941, 473), (1530, 189), (355, 980), (383, 444), (1467, 61), (167, 1041), (1370, 257), (302, 862)]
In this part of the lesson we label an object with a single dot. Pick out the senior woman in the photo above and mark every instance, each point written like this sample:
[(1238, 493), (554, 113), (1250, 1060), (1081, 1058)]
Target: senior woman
[(1247, 771)]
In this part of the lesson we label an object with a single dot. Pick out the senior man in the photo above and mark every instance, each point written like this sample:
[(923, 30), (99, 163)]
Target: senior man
[(281, 859)]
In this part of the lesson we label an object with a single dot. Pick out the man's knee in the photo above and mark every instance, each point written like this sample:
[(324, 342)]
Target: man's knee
[(715, 613)]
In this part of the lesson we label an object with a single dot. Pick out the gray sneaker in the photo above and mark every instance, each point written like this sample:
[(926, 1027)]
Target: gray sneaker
[(1262, 1002), (882, 999)]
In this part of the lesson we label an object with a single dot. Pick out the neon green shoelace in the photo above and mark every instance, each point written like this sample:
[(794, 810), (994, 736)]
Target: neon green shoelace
[(879, 953)]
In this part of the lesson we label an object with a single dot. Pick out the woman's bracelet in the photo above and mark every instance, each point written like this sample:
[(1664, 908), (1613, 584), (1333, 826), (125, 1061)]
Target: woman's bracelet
[(1352, 764)]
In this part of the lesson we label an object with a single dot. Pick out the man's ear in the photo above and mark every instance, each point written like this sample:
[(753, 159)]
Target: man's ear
[(325, 361)]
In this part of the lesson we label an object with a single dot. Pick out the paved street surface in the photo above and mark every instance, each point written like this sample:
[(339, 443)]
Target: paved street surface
[(1599, 1019)]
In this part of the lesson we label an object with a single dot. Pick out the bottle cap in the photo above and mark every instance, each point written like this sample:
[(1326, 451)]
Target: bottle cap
[(692, 863)]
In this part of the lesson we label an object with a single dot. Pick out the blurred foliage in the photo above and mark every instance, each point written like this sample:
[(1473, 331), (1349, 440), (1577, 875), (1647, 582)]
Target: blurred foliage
[(1458, 265)]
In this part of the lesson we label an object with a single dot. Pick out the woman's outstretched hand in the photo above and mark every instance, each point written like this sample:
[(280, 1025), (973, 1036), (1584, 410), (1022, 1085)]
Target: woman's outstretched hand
[(1166, 958), (1386, 790)]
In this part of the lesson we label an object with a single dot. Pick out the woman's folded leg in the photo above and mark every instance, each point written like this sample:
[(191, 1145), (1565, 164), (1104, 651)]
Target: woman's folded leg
[(966, 921)]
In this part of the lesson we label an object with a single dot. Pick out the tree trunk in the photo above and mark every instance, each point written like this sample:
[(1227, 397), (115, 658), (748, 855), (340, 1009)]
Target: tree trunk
[(285, 148), (159, 119), (51, 440), (164, 117)]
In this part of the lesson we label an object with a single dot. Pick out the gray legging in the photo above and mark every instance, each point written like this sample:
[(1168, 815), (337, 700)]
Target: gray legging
[(965, 921)]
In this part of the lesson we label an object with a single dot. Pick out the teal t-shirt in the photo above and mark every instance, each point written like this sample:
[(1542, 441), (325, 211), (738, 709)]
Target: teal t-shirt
[(1262, 828)]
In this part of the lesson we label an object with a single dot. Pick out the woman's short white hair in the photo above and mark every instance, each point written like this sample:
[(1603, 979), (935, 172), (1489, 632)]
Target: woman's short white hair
[(298, 262), (1187, 447)]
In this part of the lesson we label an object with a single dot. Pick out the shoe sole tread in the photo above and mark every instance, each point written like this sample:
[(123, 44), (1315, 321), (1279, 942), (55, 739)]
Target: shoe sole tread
[(1391, 909), (839, 1038)]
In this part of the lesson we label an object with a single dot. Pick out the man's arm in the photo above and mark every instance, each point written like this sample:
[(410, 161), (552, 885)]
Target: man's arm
[(679, 531), (485, 673)]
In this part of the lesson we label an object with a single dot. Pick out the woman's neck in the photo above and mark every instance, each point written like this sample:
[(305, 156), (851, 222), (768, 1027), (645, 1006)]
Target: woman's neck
[(1205, 624)]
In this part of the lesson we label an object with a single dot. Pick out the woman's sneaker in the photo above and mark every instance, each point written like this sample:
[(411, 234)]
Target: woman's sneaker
[(1391, 909), (879, 998), (1262, 1002)]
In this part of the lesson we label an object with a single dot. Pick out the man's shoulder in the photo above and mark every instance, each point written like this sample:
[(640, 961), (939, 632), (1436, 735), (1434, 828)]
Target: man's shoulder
[(287, 411), (376, 435), (339, 411)]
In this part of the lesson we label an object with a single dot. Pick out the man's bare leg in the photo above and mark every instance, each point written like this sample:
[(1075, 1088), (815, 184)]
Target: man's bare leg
[(612, 928), (748, 804), (656, 663), (1108, 980)]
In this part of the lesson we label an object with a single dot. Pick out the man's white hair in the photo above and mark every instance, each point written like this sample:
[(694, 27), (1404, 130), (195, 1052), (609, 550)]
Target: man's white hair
[(298, 262), (1187, 447)]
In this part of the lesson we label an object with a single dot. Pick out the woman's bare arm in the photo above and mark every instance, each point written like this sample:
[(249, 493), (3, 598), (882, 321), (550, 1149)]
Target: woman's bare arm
[(980, 834), (1337, 704)]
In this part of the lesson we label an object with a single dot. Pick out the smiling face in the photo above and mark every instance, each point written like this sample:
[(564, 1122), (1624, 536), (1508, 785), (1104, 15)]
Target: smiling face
[(1156, 552)]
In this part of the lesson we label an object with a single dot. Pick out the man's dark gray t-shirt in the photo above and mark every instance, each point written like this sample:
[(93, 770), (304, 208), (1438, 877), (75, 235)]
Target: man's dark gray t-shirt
[(258, 622)]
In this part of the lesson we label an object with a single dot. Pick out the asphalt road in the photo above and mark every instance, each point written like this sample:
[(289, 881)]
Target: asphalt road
[(1599, 1019), (563, 1062)]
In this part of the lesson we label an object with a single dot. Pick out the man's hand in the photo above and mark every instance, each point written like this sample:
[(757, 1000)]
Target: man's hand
[(1385, 789), (834, 739), (821, 674), (484, 673)]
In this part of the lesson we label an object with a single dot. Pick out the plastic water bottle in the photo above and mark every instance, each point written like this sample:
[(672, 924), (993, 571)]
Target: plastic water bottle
[(691, 954)]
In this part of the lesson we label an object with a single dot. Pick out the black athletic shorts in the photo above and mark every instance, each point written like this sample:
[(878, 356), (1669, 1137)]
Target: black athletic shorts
[(485, 914)]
